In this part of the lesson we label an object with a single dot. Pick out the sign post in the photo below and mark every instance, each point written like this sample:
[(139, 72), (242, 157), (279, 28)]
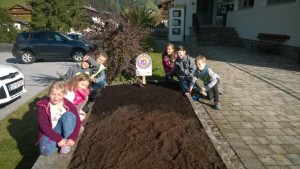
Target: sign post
[(143, 66)]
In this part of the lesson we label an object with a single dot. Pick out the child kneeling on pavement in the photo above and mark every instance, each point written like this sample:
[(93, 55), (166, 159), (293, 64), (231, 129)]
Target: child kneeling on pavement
[(210, 79)]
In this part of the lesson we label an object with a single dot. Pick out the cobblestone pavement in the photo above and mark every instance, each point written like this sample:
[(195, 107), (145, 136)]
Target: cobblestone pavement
[(259, 124)]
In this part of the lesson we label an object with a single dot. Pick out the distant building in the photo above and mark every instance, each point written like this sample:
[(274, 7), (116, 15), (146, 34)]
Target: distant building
[(20, 24), (165, 5), (94, 15), (21, 14), (248, 17)]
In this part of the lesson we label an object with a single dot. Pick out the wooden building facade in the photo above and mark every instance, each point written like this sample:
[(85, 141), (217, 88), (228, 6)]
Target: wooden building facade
[(21, 12)]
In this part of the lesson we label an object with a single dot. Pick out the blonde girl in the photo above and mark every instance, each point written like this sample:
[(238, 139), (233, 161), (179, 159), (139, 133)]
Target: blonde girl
[(58, 121)]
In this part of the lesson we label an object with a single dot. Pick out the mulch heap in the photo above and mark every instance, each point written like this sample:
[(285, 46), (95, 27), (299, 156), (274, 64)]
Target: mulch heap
[(152, 127)]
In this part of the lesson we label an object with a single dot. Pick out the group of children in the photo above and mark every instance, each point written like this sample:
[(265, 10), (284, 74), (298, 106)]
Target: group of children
[(60, 114), (188, 70)]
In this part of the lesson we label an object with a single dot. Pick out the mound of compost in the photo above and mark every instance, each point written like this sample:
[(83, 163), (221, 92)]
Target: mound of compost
[(154, 127)]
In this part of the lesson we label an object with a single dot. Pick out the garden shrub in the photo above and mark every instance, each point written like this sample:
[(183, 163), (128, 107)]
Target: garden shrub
[(8, 32), (139, 16), (123, 40)]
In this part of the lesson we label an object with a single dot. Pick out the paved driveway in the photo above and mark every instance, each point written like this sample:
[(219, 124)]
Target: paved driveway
[(37, 77)]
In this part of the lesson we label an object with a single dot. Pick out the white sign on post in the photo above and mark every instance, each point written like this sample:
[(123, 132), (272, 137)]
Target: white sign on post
[(143, 66)]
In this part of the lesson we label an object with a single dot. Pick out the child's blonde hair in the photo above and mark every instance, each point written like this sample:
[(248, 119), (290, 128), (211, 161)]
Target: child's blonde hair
[(58, 85), (73, 82), (103, 54), (200, 58)]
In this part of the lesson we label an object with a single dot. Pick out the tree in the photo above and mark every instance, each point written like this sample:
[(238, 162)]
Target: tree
[(139, 16), (58, 15), (103, 5), (7, 31), (110, 5)]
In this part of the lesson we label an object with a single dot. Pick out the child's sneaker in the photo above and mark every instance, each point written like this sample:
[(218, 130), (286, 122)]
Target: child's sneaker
[(65, 150), (217, 106)]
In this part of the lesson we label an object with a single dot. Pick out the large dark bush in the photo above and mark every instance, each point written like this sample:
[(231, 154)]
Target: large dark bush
[(122, 40)]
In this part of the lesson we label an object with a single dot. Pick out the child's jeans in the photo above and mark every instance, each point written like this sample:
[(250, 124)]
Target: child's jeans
[(95, 88), (81, 105), (99, 85), (185, 85), (213, 93), (64, 127)]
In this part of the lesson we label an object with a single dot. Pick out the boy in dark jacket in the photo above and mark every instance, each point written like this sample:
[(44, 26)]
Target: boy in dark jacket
[(184, 69), (87, 66)]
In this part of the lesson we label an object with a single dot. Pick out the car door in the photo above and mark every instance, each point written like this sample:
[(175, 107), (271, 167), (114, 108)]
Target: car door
[(39, 44), (59, 45)]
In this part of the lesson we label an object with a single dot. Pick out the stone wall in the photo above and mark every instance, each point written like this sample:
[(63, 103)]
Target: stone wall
[(6, 47)]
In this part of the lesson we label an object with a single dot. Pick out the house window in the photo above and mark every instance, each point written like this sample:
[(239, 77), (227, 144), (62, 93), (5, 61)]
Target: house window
[(275, 2), (246, 4)]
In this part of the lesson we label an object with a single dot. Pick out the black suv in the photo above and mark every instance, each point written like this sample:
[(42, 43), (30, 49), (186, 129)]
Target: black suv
[(30, 46)]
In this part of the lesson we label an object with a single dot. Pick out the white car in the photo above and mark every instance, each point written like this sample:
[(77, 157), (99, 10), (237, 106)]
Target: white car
[(12, 83)]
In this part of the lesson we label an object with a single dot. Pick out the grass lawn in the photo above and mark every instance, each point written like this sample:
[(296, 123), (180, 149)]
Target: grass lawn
[(19, 130), (10, 3), (158, 72), (18, 136)]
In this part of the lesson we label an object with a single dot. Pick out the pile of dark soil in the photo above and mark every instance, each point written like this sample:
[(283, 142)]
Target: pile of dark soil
[(152, 127)]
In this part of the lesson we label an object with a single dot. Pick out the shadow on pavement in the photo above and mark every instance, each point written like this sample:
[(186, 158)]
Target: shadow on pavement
[(43, 79), (12, 60)]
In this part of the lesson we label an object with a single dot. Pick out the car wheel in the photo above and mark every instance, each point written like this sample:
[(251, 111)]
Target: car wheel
[(77, 55), (27, 57)]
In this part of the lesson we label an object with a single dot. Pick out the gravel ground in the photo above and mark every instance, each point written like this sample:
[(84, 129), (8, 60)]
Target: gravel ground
[(37, 77)]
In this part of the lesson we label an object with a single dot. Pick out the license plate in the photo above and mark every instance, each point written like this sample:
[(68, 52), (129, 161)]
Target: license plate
[(15, 85)]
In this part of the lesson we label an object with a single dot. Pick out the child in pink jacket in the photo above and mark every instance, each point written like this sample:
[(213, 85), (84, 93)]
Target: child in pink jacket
[(168, 59), (78, 92)]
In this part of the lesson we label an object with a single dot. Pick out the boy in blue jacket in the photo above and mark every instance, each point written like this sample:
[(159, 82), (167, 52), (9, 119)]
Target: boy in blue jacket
[(210, 79), (98, 78)]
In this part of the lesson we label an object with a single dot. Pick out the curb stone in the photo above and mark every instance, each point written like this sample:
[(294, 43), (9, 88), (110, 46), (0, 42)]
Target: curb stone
[(228, 156)]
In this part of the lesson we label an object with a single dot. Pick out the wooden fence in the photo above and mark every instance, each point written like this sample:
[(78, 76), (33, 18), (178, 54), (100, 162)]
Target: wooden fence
[(159, 32)]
